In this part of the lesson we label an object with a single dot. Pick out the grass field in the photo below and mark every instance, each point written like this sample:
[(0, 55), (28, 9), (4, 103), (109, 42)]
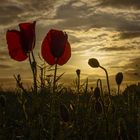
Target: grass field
[(68, 114)]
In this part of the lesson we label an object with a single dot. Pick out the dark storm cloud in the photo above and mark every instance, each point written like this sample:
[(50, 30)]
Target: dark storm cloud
[(9, 13), (110, 20), (69, 11), (82, 48), (117, 48), (74, 39), (129, 35), (121, 3), (132, 69), (4, 66), (87, 17), (135, 63), (19, 11)]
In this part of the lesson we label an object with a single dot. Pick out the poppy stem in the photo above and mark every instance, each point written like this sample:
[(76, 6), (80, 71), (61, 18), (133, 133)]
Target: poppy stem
[(34, 70), (54, 80), (100, 82), (53, 102), (118, 90), (107, 78), (78, 82)]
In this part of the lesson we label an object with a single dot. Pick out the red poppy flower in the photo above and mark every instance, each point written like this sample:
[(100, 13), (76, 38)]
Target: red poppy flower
[(56, 48), (21, 42)]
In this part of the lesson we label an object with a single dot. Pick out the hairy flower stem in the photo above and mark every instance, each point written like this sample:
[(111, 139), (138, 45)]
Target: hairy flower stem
[(107, 78), (108, 85), (53, 103), (102, 101), (54, 80), (34, 70), (78, 84), (118, 90), (78, 90), (101, 87)]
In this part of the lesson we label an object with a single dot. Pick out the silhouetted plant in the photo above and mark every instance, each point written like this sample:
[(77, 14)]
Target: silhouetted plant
[(21, 96), (2, 101), (122, 130), (95, 64), (119, 79), (19, 83), (98, 107), (55, 51), (78, 71), (97, 93), (99, 84), (64, 113)]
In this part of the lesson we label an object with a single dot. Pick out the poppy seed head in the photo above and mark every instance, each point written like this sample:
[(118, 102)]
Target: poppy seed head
[(119, 78), (93, 62), (78, 71)]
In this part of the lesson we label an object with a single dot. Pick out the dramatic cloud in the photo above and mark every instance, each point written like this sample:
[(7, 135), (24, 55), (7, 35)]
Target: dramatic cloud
[(108, 30), (13, 11), (121, 3), (129, 35), (3, 66), (116, 48)]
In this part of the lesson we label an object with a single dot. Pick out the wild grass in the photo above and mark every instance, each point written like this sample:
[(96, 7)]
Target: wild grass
[(79, 114)]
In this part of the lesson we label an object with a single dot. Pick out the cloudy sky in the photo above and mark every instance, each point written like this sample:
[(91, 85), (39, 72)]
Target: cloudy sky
[(108, 30)]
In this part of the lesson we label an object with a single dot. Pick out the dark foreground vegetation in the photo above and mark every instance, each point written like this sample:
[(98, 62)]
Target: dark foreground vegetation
[(68, 115)]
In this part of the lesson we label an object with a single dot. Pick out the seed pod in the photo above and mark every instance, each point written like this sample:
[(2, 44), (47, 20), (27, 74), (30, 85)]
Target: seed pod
[(97, 92), (98, 107), (2, 101), (78, 72), (93, 62), (64, 113), (119, 78)]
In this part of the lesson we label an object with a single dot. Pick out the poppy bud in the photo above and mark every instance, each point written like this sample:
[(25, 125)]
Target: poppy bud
[(119, 78), (64, 113), (93, 63), (78, 72), (2, 101), (97, 92), (98, 107)]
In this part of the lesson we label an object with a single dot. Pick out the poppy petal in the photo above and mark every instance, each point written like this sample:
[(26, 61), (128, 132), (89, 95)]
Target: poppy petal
[(14, 45), (45, 51), (66, 55), (56, 48), (27, 35), (57, 42)]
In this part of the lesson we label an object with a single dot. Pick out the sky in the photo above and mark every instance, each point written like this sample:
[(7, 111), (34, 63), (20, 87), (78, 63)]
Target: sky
[(107, 30)]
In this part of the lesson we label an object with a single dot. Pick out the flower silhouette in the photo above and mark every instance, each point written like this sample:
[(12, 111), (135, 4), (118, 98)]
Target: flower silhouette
[(56, 48), (20, 43)]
